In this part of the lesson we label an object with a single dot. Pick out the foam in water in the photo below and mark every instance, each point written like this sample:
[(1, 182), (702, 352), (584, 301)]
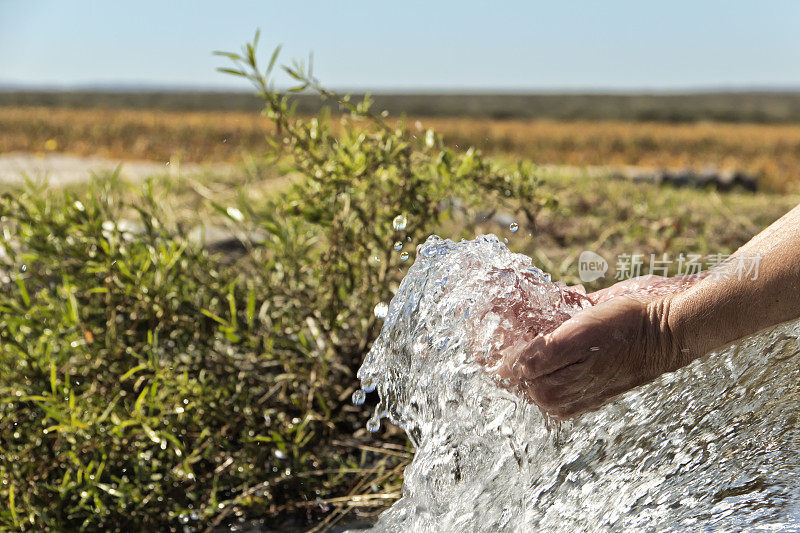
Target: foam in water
[(715, 445)]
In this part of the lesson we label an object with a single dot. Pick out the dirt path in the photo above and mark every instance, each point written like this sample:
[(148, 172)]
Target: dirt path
[(64, 169)]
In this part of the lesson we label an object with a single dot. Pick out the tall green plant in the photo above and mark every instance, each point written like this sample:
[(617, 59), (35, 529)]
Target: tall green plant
[(371, 185), (146, 384)]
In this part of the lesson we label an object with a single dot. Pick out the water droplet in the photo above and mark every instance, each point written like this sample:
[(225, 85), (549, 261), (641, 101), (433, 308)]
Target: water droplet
[(399, 223), (398, 246), (505, 241), (24, 268), (430, 138), (279, 454), (166, 164), (79, 205), (373, 424), (381, 310), (359, 396), (513, 227), (404, 256), (594, 348), (235, 214)]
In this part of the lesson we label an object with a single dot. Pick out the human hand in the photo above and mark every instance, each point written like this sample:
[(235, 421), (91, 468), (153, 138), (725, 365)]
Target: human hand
[(626, 339)]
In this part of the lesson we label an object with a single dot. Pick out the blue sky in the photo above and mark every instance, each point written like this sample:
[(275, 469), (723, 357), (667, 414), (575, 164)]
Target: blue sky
[(410, 45)]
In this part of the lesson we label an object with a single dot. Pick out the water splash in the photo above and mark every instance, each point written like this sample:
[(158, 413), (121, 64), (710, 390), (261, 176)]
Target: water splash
[(359, 396), (715, 445), (399, 222), (381, 309)]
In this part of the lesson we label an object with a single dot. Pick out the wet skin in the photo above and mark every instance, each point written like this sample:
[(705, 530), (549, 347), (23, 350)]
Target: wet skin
[(641, 328)]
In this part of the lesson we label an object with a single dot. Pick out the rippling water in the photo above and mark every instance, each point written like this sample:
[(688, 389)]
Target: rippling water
[(714, 446)]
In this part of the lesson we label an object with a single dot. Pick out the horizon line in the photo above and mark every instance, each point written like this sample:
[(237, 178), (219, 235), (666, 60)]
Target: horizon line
[(421, 91)]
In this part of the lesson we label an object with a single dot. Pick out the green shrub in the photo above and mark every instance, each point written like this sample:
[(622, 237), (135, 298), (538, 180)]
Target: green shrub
[(148, 383)]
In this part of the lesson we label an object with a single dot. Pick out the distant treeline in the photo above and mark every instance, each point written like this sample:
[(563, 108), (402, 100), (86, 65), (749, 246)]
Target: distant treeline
[(765, 107)]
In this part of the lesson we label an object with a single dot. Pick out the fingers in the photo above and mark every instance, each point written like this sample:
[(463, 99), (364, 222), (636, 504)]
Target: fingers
[(568, 400), (565, 412), (571, 369), (579, 288), (509, 364), (584, 361), (572, 342), (540, 357), (592, 399), (566, 395), (562, 387)]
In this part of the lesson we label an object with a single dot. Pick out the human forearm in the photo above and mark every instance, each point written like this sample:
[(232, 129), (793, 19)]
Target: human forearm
[(729, 305), (641, 329)]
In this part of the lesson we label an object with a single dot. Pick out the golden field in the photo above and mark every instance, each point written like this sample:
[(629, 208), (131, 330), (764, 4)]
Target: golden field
[(769, 151)]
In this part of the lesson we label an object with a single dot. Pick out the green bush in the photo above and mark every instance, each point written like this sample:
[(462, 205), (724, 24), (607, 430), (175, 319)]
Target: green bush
[(146, 382)]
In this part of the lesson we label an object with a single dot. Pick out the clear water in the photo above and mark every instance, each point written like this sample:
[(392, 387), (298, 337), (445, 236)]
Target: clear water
[(714, 446)]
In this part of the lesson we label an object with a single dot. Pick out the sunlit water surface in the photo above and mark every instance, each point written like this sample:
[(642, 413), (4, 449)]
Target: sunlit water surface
[(714, 446)]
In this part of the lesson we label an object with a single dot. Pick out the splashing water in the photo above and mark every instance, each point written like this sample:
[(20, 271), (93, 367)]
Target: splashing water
[(715, 445), (399, 222), (381, 309)]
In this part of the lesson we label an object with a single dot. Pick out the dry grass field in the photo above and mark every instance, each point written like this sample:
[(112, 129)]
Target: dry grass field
[(769, 151), (133, 134)]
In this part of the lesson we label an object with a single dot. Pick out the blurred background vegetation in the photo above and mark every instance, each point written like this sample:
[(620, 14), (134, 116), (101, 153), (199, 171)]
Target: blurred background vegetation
[(740, 106), (753, 133)]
